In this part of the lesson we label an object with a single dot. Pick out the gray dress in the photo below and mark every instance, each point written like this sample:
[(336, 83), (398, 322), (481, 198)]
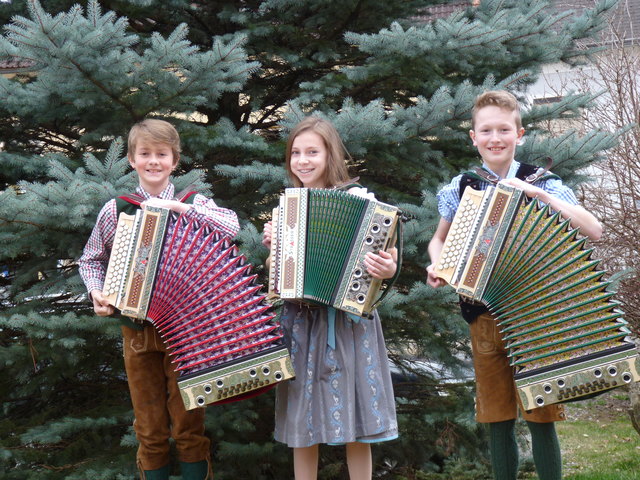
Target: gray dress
[(339, 395)]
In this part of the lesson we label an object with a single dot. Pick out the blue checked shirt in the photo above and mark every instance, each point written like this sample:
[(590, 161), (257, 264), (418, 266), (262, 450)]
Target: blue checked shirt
[(449, 197)]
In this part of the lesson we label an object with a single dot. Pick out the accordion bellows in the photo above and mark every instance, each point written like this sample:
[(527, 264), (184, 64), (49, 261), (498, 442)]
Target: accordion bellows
[(319, 241), (191, 282), (565, 333)]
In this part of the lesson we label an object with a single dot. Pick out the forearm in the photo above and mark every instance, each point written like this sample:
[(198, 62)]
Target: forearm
[(435, 249), (577, 215), (215, 216), (92, 274)]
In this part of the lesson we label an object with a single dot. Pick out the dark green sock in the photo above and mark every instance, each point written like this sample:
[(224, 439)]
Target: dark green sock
[(159, 474), (546, 450), (195, 470), (504, 450)]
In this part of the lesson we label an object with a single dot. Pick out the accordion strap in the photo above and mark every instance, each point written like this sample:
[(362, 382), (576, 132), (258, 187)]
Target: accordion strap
[(399, 243), (352, 182), (182, 196), (534, 177)]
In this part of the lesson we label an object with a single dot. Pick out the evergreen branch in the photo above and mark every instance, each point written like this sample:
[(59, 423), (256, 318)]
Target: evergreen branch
[(117, 99), (8, 221)]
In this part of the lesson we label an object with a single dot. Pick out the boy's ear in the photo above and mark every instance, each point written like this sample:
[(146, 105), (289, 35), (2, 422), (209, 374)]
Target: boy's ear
[(131, 161), (472, 134)]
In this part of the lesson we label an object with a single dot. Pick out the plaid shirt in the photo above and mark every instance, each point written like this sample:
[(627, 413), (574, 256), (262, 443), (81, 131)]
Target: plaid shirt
[(95, 257), (449, 196)]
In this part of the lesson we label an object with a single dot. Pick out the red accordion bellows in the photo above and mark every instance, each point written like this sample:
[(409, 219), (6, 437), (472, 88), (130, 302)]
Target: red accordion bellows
[(205, 303)]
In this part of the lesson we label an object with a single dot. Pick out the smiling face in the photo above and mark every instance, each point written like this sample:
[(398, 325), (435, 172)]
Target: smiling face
[(154, 163), (496, 136), (309, 159)]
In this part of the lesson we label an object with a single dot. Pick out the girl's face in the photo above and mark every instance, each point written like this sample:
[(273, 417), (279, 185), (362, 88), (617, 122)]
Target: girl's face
[(309, 159)]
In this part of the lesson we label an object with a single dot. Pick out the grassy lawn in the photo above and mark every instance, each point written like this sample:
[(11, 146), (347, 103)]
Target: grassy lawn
[(598, 441)]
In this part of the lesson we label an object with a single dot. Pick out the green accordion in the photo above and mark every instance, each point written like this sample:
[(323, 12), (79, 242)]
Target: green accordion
[(565, 333), (319, 240)]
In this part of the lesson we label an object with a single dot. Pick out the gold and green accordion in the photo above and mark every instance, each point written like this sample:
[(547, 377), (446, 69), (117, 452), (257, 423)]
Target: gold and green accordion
[(191, 283), (319, 241), (564, 331)]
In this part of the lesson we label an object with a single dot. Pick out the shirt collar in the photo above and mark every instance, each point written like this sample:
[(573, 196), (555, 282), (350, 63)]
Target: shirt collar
[(513, 169), (166, 194)]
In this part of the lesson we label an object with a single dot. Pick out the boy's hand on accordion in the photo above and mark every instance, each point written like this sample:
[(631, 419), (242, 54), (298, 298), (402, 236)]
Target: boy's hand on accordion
[(100, 304), (529, 190), (174, 205), (577, 215), (266, 235), (382, 265), (432, 279)]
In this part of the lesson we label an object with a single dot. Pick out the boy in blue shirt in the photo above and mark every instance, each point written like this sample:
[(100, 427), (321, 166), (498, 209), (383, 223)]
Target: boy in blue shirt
[(496, 131)]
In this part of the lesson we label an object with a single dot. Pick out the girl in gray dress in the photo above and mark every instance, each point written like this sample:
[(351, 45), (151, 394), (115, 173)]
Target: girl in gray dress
[(342, 392)]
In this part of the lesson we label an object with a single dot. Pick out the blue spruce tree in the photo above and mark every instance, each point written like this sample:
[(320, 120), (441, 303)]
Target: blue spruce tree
[(234, 76)]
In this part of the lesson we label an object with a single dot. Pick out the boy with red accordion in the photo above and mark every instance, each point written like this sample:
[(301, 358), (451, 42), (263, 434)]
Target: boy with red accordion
[(154, 152)]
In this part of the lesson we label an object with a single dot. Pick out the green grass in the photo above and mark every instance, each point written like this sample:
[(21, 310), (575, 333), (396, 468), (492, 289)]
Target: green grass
[(598, 441)]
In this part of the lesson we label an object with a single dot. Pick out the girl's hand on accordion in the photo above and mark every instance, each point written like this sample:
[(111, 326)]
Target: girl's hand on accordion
[(382, 265), (101, 306), (266, 234)]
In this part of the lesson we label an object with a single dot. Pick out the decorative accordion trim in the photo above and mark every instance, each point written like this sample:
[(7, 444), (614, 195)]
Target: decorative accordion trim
[(192, 284), (566, 335)]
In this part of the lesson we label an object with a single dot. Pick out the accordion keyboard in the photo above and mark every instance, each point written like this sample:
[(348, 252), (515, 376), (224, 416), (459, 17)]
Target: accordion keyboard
[(461, 234), (119, 259)]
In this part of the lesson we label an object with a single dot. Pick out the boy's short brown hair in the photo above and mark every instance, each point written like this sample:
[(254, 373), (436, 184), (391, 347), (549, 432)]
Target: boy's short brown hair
[(152, 130), (497, 98)]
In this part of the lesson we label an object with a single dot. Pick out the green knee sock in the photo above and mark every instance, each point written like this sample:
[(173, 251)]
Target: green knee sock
[(504, 450), (158, 474), (546, 450), (195, 470)]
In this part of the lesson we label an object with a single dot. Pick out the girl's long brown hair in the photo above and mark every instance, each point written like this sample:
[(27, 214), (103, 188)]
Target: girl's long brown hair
[(336, 172)]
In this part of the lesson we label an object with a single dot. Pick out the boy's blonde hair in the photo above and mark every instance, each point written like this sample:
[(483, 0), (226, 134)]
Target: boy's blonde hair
[(152, 130), (497, 98), (336, 171)]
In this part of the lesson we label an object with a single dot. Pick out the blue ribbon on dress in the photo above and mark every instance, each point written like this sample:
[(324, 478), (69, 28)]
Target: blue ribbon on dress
[(331, 329)]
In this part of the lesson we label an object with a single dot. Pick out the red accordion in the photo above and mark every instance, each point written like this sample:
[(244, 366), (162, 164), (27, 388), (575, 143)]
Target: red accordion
[(192, 284)]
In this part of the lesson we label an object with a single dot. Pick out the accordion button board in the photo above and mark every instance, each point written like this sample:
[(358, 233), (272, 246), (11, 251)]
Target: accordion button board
[(320, 239), (564, 331), (191, 283)]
